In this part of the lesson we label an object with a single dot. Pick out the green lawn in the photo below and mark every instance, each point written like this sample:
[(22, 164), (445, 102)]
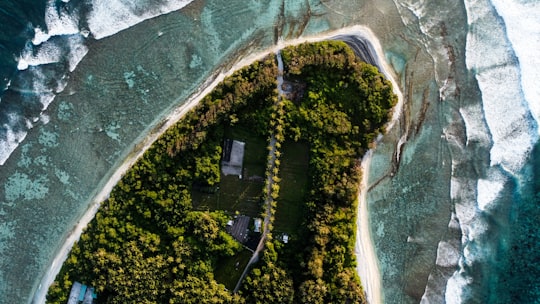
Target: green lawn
[(235, 194), (255, 151), (293, 187), (227, 272)]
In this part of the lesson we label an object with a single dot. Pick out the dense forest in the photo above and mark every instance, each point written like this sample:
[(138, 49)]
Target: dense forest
[(148, 243), (343, 107)]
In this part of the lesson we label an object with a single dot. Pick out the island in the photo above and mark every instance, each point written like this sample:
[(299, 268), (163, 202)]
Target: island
[(250, 198)]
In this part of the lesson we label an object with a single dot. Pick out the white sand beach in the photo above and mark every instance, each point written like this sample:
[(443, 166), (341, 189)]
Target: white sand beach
[(367, 267), (367, 264)]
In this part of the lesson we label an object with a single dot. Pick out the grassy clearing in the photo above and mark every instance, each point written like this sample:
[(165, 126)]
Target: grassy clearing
[(255, 153), (228, 270), (235, 194), (293, 187)]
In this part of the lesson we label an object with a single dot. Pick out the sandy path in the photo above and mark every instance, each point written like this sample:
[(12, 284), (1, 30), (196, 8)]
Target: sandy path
[(368, 266)]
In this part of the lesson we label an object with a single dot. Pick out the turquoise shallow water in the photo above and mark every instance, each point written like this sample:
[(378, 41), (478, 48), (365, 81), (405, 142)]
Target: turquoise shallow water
[(424, 174)]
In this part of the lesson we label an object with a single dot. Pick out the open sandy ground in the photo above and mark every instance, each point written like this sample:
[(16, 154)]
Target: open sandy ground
[(367, 267)]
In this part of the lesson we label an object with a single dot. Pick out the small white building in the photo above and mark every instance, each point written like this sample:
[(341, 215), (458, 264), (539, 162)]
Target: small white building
[(233, 157), (81, 293), (74, 294), (258, 224), (285, 238)]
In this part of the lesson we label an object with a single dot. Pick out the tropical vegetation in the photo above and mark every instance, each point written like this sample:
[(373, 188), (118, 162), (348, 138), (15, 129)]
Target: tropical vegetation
[(149, 244)]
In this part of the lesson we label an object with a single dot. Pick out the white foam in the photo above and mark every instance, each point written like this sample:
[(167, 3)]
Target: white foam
[(447, 254), (77, 51), (456, 288), (45, 119), (454, 222), (12, 138), (8, 83), (39, 88), (462, 192), (109, 17), (475, 131), (46, 53), (507, 116), (46, 99), (22, 64), (507, 112), (521, 19), (58, 23), (40, 36), (484, 47), (489, 189), (61, 84), (418, 8), (402, 140)]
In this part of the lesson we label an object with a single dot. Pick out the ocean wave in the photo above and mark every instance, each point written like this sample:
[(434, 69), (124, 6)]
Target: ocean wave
[(456, 289), (448, 254), (59, 21), (523, 32), (37, 88), (59, 40), (511, 133), (489, 189), (62, 43), (11, 136), (109, 17), (47, 52), (69, 48), (506, 110), (509, 120)]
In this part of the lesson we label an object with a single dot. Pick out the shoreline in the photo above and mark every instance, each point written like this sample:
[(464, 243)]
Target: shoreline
[(369, 272)]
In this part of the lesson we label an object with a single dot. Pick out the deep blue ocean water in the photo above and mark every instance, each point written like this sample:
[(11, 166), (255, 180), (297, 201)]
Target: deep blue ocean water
[(83, 82), (16, 18)]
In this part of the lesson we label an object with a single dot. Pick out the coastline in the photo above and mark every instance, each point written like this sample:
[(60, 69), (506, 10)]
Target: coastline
[(369, 272), (367, 265)]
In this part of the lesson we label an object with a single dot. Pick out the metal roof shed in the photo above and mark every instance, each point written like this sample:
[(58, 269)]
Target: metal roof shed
[(74, 294), (82, 293)]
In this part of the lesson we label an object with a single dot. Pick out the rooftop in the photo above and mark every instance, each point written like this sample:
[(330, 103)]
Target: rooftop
[(233, 157), (239, 228)]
